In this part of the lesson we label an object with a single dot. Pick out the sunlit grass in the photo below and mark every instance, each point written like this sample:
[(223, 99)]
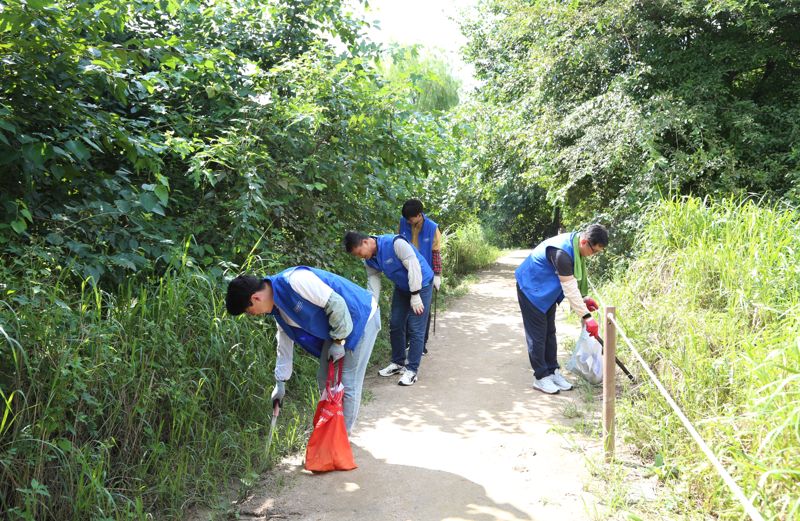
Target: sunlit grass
[(713, 302)]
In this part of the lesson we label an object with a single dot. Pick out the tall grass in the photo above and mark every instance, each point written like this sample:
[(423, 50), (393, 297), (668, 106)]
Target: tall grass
[(135, 404), (466, 249), (121, 406), (713, 300)]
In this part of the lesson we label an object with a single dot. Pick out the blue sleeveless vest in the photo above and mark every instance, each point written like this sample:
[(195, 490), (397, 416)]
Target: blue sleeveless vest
[(314, 327), (386, 261), (425, 237), (536, 276)]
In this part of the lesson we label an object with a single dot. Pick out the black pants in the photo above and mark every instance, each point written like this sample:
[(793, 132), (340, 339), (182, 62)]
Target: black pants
[(540, 334)]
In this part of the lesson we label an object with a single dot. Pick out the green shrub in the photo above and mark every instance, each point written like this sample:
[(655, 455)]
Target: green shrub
[(713, 302), (466, 249)]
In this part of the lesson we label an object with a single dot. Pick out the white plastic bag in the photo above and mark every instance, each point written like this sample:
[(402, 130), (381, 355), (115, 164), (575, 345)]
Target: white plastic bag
[(587, 359)]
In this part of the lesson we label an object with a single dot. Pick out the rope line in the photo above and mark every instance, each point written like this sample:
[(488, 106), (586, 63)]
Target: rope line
[(726, 477)]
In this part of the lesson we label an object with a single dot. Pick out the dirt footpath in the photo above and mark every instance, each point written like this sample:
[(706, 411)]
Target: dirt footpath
[(470, 441)]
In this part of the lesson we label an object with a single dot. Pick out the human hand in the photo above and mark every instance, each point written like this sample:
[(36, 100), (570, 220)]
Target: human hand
[(437, 281), (591, 304), (336, 351), (416, 304), (592, 327), (278, 392)]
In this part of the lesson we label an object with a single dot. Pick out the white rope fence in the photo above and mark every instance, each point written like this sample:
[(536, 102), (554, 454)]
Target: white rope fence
[(726, 477)]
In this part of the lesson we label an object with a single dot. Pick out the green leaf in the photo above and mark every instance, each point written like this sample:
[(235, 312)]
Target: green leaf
[(170, 61), (659, 461), (19, 226), (8, 126), (55, 238), (104, 65), (35, 153), (148, 201), (39, 4), (77, 148), (26, 214), (162, 193), (124, 261), (92, 144), (61, 152)]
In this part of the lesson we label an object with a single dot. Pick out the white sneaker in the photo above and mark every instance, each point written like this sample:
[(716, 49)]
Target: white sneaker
[(546, 385), (391, 369), (408, 378), (561, 382)]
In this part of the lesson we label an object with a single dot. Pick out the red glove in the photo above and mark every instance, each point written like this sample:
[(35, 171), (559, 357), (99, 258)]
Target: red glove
[(591, 304), (592, 327)]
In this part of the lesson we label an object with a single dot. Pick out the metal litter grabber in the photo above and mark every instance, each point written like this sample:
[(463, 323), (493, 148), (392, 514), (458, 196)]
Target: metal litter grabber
[(618, 361), (276, 410)]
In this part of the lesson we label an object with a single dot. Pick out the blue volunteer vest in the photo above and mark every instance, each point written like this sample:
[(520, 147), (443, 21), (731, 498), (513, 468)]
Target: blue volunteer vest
[(536, 276), (425, 237), (390, 264), (314, 327)]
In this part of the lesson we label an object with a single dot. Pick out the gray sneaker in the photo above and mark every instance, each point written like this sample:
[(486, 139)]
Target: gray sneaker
[(561, 382), (546, 385), (392, 369)]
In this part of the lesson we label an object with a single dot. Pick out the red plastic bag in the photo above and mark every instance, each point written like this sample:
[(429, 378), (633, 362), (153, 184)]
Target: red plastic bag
[(328, 448)]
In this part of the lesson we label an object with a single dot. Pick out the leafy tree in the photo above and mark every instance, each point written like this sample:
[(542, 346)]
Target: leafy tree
[(127, 128), (426, 76), (620, 101)]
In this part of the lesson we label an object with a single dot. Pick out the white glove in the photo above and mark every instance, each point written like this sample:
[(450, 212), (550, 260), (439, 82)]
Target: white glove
[(437, 281), (416, 304), (336, 351), (279, 392)]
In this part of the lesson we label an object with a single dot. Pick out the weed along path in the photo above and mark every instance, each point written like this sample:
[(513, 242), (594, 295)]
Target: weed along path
[(470, 441)]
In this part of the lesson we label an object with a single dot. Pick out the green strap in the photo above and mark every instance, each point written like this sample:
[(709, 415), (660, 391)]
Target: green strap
[(579, 266)]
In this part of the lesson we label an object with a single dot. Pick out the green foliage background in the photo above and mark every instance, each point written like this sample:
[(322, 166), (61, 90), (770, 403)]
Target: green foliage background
[(150, 149), (606, 106)]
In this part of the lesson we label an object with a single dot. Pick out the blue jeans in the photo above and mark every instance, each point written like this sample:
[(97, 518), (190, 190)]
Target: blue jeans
[(402, 318), (353, 370), (540, 334)]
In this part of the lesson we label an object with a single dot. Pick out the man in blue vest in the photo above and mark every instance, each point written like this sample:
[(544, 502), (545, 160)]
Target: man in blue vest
[(423, 232), (327, 315), (555, 269), (413, 287)]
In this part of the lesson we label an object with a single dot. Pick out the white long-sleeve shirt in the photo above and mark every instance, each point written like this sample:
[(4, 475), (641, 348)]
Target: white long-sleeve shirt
[(314, 290), (405, 252)]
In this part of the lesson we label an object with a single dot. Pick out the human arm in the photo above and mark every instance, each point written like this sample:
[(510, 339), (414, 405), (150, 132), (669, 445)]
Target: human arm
[(374, 282), (569, 285), (309, 286), (405, 252), (284, 360), (436, 259)]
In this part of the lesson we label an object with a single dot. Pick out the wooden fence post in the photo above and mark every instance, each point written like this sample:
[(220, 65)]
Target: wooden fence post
[(609, 381)]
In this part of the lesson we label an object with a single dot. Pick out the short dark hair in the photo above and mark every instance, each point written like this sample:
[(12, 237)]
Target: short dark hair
[(353, 240), (596, 234), (240, 290), (412, 208)]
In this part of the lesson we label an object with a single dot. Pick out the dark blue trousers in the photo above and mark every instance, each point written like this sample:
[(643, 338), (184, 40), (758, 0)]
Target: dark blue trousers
[(540, 334)]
